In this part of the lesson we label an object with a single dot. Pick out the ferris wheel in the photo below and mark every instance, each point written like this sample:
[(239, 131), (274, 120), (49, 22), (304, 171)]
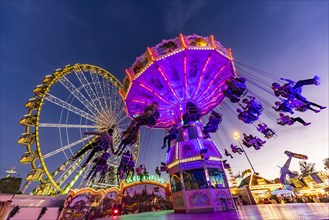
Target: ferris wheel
[(69, 102)]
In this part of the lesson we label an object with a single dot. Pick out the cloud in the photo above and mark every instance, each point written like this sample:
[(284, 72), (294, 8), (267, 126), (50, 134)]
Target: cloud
[(178, 13)]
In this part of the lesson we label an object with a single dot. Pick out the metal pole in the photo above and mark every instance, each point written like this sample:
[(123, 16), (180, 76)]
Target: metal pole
[(247, 157)]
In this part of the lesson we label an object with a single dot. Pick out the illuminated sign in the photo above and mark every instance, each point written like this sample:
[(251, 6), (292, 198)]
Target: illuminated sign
[(298, 156), (149, 178), (278, 185), (213, 164)]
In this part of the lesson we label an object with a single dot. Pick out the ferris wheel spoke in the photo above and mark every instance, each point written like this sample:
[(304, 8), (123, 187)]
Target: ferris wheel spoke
[(66, 147), (98, 87), (51, 125), (72, 166), (70, 87), (123, 126), (107, 90), (69, 107), (69, 172), (60, 179), (114, 106), (87, 87), (118, 108), (113, 100)]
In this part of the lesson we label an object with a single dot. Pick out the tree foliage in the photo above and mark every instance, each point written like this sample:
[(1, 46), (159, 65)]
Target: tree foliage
[(246, 173), (306, 168), (326, 163), (10, 185)]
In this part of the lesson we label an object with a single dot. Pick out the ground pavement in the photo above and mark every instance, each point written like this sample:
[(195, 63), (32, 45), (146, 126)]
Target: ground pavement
[(293, 211)]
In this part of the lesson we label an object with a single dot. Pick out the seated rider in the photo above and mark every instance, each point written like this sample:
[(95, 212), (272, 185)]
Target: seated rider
[(292, 90), (149, 117), (226, 165), (236, 149), (246, 116), (139, 172), (131, 167), (192, 113), (283, 106), (99, 164), (124, 162), (103, 173), (173, 133), (235, 88), (250, 140), (158, 172), (265, 130), (121, 174), (212, 126), (286, 120), (256, 142), (103, 142), (246, 139), (302, 106), (145, 174), (129, 139), (228, 154), (253, 106)]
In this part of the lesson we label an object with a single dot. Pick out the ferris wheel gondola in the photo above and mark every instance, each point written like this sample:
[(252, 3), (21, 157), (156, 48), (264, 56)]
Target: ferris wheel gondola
[(73, 100)]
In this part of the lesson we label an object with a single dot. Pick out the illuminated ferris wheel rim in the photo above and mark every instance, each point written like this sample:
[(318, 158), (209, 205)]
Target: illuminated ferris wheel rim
[(164, 74), (43, 94)]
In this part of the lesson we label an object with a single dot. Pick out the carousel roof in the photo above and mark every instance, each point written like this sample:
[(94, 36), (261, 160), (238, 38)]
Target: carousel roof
[(174, 72)]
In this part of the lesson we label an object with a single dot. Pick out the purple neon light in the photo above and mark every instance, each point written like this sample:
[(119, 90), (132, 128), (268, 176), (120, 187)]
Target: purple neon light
[(165, 78), (134, 100), (200, 79), (155, 94), (172, 79), (214, 91), (185, 77)]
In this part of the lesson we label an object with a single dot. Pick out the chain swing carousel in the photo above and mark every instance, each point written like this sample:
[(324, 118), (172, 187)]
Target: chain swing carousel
[(186, 77)]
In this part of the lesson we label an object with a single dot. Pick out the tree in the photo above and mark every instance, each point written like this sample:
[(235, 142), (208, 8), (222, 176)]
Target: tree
[(326, 163), (238, 175), (246, 173), (10, 185), (306, 168)]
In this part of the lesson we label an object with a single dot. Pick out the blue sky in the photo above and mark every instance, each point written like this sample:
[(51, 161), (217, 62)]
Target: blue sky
[(285, 38)]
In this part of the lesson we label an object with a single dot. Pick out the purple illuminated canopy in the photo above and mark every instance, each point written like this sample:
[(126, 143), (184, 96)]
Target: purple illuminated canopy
[(187, 68)]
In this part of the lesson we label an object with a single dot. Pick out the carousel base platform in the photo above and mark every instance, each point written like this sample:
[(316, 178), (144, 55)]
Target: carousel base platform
[(270, 211)]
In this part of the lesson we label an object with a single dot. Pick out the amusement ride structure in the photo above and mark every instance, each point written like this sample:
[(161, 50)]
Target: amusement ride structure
[(183, 80), (284, 170), (69, 102), (177, 74)]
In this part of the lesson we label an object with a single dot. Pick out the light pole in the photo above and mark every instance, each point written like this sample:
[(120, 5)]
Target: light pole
[(236, 137)]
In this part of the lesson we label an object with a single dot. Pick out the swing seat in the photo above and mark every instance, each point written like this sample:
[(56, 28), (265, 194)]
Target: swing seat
[(246, 144), (211, 129), (99, 168), (245, 119), (152, 120)]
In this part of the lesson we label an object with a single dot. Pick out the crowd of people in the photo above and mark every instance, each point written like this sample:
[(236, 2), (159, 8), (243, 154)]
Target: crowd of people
[(282, 199)]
